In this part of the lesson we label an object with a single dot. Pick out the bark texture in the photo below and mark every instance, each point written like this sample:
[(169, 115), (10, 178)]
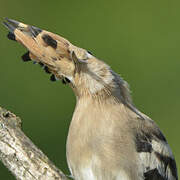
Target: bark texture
[(20, 155)]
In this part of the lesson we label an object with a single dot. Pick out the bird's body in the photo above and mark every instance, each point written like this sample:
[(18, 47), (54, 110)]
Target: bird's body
[(109, 139), (101, 143)]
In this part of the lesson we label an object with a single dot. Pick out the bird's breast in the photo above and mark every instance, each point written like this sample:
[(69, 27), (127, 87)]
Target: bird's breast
[(97, 145)]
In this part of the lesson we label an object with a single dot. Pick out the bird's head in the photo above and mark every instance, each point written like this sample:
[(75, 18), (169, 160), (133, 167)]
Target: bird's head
[(87, 75)]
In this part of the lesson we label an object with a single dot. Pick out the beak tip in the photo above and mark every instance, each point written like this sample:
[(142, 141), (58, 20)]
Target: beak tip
[(10, 27), (14, 22), (6, 18)]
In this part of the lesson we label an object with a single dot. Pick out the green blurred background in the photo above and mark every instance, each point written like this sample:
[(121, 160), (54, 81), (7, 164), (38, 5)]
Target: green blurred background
[(139, 39)]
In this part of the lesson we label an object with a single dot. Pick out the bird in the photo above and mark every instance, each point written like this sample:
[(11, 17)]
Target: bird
[(108, 138)]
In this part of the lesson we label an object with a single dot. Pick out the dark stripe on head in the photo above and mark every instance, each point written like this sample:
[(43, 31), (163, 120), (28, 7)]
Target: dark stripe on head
[(159, 135), (34, 30), (11, 36), (54, 58), (168, 163), (153, 175), (26, 57), (49, 41), (143, 143)]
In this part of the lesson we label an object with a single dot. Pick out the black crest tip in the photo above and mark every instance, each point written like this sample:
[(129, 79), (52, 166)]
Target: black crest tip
[(41, 64), (46, 69), (11, 36), (53, 78), (26, 57)]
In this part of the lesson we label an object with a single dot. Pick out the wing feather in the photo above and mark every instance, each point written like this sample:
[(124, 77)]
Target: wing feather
[(155, 156)]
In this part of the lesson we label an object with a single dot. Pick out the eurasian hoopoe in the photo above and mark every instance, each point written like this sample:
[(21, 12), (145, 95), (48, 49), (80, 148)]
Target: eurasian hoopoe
[(109, 139)]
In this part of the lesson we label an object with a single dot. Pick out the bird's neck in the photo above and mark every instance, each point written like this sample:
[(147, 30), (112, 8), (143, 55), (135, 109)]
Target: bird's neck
[(113, 94), (113, 90)]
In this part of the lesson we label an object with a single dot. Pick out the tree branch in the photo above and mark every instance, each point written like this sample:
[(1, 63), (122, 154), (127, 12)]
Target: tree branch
[(20, 155)]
